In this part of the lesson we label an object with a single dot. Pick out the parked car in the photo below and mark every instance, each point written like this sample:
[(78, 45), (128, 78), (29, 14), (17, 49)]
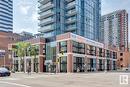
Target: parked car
[(4, 72)]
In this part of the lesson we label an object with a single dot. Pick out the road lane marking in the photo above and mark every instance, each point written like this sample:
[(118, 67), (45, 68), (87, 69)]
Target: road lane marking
[(10, 79), (10, 83)]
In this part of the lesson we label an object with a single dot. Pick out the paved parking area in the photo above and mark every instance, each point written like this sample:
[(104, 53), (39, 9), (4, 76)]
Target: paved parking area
[(109, 79)]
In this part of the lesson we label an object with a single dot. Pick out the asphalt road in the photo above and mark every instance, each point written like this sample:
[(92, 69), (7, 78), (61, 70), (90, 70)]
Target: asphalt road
[(64, 80)]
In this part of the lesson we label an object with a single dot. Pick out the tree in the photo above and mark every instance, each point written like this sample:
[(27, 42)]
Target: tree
[(22, 52), (33, 52)]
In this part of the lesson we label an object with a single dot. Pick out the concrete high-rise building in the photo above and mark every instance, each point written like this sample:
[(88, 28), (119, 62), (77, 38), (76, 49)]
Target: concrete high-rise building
[(80, 17), (6, 15), (114, 27)]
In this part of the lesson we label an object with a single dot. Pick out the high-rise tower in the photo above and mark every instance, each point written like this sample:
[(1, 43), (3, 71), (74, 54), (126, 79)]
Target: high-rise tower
[(81, 17), (114, 28), (6, 15)]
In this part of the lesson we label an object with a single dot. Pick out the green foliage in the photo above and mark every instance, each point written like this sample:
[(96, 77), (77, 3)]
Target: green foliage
[(21, 48), (33, 50)]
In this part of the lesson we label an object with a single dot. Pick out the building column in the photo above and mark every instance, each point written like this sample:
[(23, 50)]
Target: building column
[(25, 65), (41, 64), (32, 64), (86, 64), (19, 65), (69, 63)]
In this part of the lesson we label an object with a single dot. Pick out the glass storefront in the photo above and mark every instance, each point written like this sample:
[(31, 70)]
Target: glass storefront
[(91, 64), (108, 64), (50, 53), (63, 64), (114, 65), (101, 65), (63, 46), (78, 64), (78, 47)]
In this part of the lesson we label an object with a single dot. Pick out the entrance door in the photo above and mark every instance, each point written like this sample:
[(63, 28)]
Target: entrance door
[(79, 64)]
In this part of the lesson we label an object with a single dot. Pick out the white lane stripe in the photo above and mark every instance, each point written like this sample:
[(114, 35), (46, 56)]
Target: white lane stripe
[(10, 79), (10, 83)]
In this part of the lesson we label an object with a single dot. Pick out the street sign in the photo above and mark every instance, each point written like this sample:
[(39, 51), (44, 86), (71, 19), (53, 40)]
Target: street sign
[(2, 53)]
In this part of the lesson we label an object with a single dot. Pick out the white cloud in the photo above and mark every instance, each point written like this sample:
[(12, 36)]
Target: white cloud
[(34, 16), (24, 9)]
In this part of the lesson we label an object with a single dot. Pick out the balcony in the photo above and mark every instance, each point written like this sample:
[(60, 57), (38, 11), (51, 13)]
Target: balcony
[(46, 28), (46, 14), (47, 6), (70, 21), (43, 23), (43, 1), (68, 0), (71, 5), (70, 29), (71, 13)]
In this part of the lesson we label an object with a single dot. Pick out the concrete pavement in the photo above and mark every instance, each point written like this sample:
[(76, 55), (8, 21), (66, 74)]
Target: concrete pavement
[(110, 79)]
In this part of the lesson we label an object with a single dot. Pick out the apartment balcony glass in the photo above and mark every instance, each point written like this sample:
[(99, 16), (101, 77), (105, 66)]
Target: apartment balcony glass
[(46, 14), (71, 5), (71, 20), (48, 34), (46, 28), (69, 0), (46, 21), (43, 1), (71, 27), (46, 6), (71, 12)]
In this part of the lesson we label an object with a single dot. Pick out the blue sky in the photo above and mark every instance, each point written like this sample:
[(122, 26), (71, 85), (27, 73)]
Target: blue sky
[(25, 13)]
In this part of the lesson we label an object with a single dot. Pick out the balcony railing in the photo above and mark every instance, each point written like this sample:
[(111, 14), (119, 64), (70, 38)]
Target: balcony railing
[(46, 28)]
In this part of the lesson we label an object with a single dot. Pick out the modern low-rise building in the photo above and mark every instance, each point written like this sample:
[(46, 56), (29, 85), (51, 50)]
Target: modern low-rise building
[(78, 53), (36, 62), (85, 54)]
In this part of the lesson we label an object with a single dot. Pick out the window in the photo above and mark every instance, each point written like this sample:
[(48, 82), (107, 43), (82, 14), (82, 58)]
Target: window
[(91, 50), (63, 46), (78, 47), (121, 54), (121, 59), (63, 64)]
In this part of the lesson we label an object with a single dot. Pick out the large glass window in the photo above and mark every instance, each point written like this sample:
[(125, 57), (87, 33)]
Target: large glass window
[(50, 54), (114, 65), (91, 50), (63, 64), (108, 64), (78, 47), (100, 52), (50, 50), (91, 64), (107, 53), (78, 64), (63, 46), (100, 63)]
